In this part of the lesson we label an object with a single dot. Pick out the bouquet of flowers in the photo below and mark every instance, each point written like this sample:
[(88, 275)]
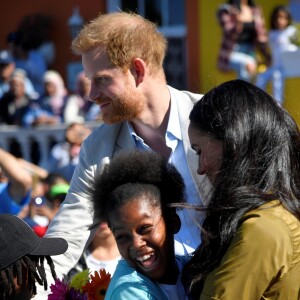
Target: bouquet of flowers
[(83, 286)]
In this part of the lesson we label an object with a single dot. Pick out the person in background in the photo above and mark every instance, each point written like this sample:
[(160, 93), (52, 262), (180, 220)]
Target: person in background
[(94, 113), (18, 188), (27, 58), (15, 102), (36, 29), (244, 32), (47, 195), (55, 197), (102, 253), (249, 148), (7, 68), (79, 106), (280, 36), (63, 157), (22, 256), (139, 111), (132, 195), (49, 108), (15, 189)]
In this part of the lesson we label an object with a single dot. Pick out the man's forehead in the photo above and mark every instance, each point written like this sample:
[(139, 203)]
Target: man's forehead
[(96, 61)]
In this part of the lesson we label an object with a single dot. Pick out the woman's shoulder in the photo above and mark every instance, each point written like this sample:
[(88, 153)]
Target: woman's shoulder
[(272, 213), (272, 225)]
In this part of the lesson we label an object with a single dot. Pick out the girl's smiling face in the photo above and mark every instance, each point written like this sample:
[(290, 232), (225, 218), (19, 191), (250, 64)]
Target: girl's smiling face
[(141, 234)]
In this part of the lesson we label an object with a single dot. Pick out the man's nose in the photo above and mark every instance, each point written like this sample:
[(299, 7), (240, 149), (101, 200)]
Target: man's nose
[(94, 93)]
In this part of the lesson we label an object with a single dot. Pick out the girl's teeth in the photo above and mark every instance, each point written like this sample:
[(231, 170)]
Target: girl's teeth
[(142, 258)]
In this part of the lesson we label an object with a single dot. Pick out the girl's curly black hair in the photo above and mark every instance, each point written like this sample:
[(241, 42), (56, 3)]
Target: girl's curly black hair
[(131, 174)]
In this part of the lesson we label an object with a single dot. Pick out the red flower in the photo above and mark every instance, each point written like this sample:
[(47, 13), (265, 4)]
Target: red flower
[(97, 287)]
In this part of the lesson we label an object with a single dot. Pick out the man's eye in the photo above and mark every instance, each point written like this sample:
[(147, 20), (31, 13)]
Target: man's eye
[(100, 80)]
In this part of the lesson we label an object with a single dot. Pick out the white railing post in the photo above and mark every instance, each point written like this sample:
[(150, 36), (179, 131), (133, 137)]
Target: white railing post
[(42, 135)]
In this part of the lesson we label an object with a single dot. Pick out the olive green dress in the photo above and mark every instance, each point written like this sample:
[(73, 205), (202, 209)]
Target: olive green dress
[(262, 261)]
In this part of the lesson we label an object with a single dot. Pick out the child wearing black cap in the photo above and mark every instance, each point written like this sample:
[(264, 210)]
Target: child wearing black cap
[(22, 255)]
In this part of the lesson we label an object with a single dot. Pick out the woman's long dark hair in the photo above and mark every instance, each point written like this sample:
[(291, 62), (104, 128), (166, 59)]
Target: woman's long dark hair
[(261, 155)]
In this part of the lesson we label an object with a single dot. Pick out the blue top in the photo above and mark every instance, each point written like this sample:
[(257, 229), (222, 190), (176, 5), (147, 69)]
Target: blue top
[(7, 203), (127, 283)]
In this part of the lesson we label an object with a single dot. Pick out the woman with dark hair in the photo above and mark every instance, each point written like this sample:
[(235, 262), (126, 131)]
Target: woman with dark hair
[(244, 31), (249, 147)]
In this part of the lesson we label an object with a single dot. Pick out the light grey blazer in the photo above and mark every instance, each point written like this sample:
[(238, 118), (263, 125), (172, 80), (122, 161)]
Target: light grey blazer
[(75, 221)]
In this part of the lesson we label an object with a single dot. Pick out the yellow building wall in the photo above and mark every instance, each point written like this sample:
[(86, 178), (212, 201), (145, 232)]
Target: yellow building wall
[(209, 42)]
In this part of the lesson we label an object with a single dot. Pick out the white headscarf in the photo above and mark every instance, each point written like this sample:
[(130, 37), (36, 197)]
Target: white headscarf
[(57, 100)]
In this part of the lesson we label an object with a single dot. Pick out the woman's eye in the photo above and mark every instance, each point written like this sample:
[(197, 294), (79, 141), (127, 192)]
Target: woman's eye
[(145, 229), (198, 152)]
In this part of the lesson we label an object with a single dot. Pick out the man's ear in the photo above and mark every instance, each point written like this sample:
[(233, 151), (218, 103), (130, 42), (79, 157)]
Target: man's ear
[(138, 70)]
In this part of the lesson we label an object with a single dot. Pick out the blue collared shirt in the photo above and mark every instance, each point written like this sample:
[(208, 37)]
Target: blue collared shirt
[(188, 238)]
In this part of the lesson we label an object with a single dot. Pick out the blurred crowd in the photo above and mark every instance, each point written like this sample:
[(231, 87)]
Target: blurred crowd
[(33, 93), (254, 48), (35, 193)]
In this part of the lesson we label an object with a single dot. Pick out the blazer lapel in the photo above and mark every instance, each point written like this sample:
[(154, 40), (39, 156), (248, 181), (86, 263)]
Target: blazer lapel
[(124, 139)]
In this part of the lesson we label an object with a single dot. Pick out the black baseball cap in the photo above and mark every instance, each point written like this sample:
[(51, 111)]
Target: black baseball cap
[(17, 239)]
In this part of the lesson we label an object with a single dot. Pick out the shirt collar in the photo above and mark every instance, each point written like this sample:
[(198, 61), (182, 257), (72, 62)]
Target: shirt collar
[(174, 124)]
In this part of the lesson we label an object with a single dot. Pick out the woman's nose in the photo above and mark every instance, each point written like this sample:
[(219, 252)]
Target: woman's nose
[(201, 168)]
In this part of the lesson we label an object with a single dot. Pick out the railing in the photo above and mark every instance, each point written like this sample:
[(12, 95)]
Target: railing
[(34, 144)]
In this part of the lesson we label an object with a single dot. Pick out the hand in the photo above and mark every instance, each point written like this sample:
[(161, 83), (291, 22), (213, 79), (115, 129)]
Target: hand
[(45, 119), (45, 211)]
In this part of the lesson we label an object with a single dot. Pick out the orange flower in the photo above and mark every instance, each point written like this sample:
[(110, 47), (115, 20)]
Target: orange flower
[(97, 287)]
